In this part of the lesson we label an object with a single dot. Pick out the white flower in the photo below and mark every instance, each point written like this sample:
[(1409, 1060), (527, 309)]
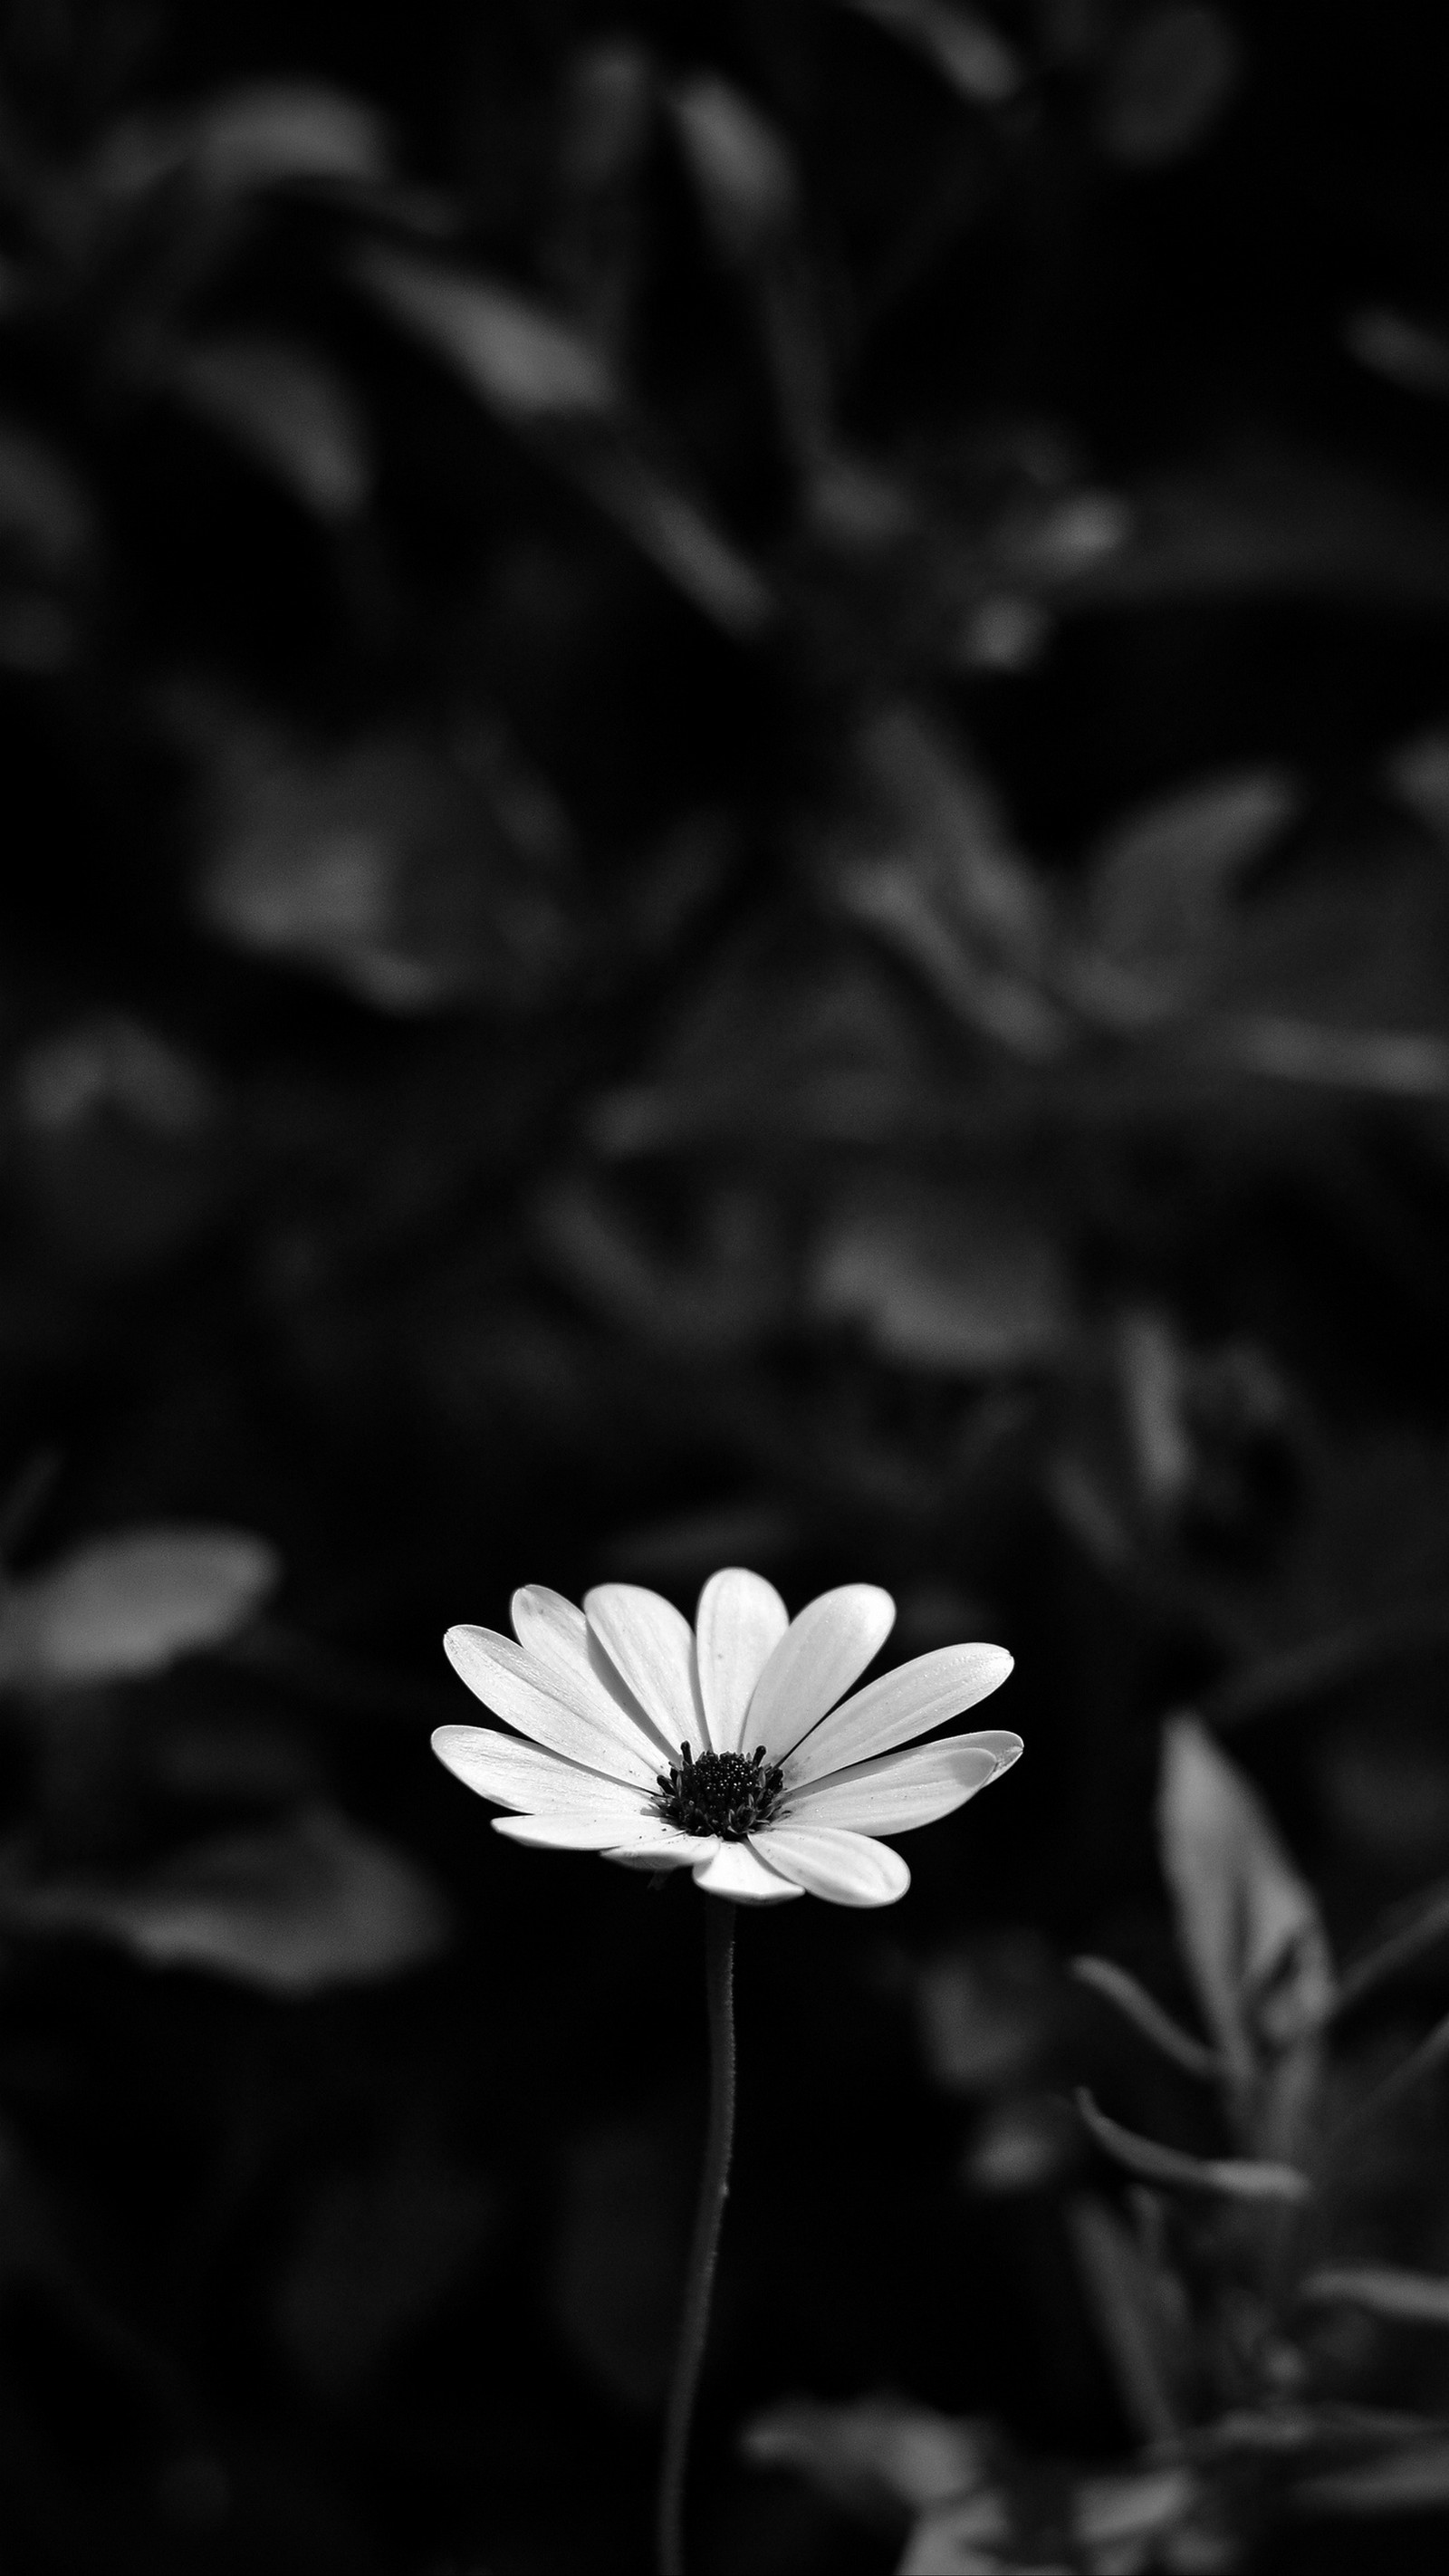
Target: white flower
[(726, 1749)]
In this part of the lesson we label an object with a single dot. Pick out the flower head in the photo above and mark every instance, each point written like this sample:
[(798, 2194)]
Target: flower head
[(727, 1749)]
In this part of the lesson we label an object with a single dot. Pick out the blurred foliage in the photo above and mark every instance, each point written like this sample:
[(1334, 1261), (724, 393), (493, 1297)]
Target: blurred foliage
[(728, 781)]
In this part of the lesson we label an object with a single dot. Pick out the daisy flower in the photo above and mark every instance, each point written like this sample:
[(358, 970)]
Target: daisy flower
[(728, 1749)]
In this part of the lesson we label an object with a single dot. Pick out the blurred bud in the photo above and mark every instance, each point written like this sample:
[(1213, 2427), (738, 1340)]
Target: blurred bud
[(1167, 83), (1027, 2142)]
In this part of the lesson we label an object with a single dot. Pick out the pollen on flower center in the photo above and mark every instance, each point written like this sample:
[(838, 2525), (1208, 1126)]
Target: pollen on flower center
[(727, 1794)]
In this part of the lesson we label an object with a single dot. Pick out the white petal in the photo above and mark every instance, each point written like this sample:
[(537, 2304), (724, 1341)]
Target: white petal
[(736, 1870), (820, 1655), (519, 1775), (558, 1640), (907, 1702), (567, 1832), (662, 1849), (848, 1869), (547, 1707), (652, 1645), (741, 1620), (899, 1791)]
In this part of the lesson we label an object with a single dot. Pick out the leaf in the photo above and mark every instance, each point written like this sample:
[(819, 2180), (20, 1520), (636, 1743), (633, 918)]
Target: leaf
[(1130, 2319), (1412, 2480), (879, 2449), (965, 1278), (1023, 2142), (286, 410), (679, 538), (986, 2012), (383, 2244), (959, 43), (741, 167), (117, 1608), (973, 2537), (1413, 2298), (1167, 84), (1116, 2517), (1408, 353), (1147, 2015), (1233, 2178), (527, 365), (1421, 1925), (1160, 884), (296, 1908), (536, 373), (929, 866), (269, 134), (415, 878), (617, 2262), (1249, 1927)]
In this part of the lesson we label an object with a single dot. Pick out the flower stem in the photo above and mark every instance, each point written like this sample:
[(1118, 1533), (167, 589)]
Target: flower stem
[(714, 2184)]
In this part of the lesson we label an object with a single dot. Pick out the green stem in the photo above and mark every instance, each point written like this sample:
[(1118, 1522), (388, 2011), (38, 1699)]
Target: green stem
[(714, 2184)]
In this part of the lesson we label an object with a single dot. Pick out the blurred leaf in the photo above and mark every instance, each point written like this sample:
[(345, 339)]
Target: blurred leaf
[(1232, 2177), (382, 2246), (1415, 2298), (528, 365), (1147, 2015), (972, 2537), (618, 2259), (263, 135), (1249, 1927), (113, 1065), (679, 538), (287, 410), (1410, 1930), (929, 866), (416, 878), (718, 1291), (47, 537), (1160, 884), (1023, 2142), (120, 1607), (296, 1908), (879, 2450), (1408, 353), (742, 167), (959, 43), (1135, 2331), (1264, 517), (986, 2012), (536, 372), (1414, 2479), (960, 1278), (1167, 83), (1117, 2518)]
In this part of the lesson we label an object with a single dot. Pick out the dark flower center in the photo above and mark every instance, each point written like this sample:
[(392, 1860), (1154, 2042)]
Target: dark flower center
[(722, 1793)]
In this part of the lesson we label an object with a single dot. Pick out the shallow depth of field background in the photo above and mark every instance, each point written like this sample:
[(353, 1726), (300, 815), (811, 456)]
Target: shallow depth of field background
[(726, 770)]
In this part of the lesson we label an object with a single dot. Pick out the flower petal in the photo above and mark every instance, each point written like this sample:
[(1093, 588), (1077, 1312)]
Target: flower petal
[(652, 1645), (661, 1849), (820, 1655), (519, 1775), (907, 1702), (899, 1791), (846, 1868), (556, 1636), (547, 1706), (567, 1832), (736, 1870), (741, 1620)]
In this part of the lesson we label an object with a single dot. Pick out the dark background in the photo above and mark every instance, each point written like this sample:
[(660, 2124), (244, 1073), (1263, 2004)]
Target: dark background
[(726, 759)]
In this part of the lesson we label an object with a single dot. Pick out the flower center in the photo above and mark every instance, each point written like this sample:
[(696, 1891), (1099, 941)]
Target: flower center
[(722, 1793)]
